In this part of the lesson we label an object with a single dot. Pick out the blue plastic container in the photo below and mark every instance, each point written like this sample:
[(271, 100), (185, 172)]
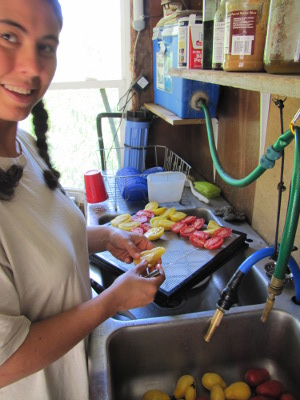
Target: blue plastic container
[(136, 136), (176, 94)]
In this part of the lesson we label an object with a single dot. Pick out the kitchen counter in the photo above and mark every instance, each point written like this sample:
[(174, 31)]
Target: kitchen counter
[(192, 308)]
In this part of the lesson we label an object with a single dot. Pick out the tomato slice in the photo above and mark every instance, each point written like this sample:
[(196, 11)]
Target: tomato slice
[(145, 226), (201, 235), (149, 214), (186, 231), (189, 219), (214, 243), (223, 232), (197, 241), (139, 218), (138, 230), (177, 226), (198, 223)]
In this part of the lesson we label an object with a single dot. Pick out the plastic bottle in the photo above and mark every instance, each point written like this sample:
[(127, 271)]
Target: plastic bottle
[(218, 36), (245, 34), (282, 49)]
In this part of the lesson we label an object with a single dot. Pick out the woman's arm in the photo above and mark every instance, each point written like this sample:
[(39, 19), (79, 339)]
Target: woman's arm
[(50, 339)]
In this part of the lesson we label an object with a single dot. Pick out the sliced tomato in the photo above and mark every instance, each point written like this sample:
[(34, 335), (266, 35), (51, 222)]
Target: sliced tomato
[(145, 226), (189, 219), (223, 232), (201, 235), (197, 241), (186, 231), (198, 223), (214, 243), (138, 230), (139, 218), (149, 214), (177, 226)]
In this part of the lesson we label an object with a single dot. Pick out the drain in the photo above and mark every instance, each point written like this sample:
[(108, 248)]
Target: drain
[(288, 278)]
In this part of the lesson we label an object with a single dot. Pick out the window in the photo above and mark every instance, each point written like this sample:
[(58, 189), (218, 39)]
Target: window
[(93, 73)]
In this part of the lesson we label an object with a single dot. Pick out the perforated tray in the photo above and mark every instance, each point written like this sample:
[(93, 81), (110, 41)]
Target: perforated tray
[(184, 264)]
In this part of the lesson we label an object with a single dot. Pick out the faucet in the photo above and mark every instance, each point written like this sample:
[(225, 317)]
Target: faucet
[(284, 260)]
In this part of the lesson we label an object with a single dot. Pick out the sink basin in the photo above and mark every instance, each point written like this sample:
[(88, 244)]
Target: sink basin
[(153, 356)]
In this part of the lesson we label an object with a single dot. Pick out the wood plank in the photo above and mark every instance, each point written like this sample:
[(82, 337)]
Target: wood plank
[(171, 118), (283, 85)]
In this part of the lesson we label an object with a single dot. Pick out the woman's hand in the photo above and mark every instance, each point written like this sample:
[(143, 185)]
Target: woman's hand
[(132, 290)]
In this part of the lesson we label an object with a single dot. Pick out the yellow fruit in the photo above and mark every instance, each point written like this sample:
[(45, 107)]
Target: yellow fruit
[(153, 205), (211, 378), (152, 256), (168, 212), (119, 219), (177, 216), (190, 393), (211, 231), (183, 383), (128, 225), (217, 392), (154, 221), (165, 223), (155, 394), (238, 391), (154, 233), (159, 210), (213, 225)]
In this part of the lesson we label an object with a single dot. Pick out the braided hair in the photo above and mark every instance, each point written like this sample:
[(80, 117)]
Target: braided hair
[(10, 178)]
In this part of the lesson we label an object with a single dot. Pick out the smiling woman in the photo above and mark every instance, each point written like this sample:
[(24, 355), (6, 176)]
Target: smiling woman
[(92, 75)]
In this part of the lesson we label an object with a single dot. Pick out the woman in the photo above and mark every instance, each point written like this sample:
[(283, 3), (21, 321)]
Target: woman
[(46, 310)]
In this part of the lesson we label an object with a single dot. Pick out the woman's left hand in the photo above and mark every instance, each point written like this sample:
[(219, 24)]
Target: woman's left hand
[(127, 246)]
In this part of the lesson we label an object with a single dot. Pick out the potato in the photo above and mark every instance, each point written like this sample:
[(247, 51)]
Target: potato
[(271, 388), (256, 376)]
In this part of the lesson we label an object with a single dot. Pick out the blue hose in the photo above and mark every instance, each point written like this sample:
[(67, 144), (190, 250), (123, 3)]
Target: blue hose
[(268, 252)]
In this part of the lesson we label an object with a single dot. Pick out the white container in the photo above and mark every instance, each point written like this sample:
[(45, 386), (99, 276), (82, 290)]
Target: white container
[(165, 187)]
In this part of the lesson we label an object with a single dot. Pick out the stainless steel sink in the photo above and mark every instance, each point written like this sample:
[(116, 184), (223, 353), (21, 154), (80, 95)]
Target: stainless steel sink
[(149, 355)]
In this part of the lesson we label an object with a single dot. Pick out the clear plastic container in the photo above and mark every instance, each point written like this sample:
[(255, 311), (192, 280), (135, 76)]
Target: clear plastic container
[(245, 34), (282, 49)]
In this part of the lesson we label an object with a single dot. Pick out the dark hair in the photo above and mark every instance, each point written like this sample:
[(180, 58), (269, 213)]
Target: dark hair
[(10, 178), (57, 9)]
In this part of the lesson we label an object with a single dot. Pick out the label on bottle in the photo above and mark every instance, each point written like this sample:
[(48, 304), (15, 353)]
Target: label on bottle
[(242, 32), (182, 42), (218, 49)]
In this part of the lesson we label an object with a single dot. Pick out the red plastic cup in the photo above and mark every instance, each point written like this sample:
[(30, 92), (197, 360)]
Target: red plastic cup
[(94, 187)]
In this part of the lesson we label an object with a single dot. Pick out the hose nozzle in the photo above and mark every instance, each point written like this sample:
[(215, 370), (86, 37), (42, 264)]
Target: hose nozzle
[(214, 323), (274, 289)]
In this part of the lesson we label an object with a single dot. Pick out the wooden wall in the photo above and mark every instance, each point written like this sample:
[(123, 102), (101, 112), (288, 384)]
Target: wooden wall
[(238, 144)]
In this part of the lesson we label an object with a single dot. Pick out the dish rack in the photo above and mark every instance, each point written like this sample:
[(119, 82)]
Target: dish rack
[(146, 159)]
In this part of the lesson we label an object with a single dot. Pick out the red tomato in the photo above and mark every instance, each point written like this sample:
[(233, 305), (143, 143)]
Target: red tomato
[(139, 218), (145, 226), (214, 243), (201, 235), (138, 230), (197, 241), (198, 223), (177, 226), (223, 232), (186, 231), (149, 214), (189, 219)]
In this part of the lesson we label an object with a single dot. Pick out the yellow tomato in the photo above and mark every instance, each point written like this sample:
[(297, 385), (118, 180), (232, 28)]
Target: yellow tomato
[(238, 391), (159, 210), (154, 221), (168, 212), (165, 223), (154, 233), (153, 205), (152, 256), (119, 219), (127, 226), (177, 216)]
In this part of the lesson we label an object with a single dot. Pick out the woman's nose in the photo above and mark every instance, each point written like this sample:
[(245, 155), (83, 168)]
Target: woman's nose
[(28, 62)]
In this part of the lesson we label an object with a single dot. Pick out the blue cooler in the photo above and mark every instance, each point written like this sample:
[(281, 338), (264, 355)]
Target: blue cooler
[(176, 94)]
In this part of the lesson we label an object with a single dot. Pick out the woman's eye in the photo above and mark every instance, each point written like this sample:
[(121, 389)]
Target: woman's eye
[(9, 37)]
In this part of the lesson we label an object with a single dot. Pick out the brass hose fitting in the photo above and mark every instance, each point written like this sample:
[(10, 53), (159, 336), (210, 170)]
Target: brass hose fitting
[(214, 323), (275, 288)]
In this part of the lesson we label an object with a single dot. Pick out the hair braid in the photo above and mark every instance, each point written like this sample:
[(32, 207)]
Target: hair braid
[(40, 123)]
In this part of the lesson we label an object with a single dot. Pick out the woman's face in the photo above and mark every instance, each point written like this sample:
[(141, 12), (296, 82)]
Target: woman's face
[(29, 32)]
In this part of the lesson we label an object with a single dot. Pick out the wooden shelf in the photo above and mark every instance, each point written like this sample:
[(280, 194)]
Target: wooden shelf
[(283, 85), (169, 117)]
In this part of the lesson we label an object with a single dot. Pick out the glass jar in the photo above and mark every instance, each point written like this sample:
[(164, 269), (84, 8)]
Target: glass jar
[(218, 36), (282, 49), (245, 34)]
